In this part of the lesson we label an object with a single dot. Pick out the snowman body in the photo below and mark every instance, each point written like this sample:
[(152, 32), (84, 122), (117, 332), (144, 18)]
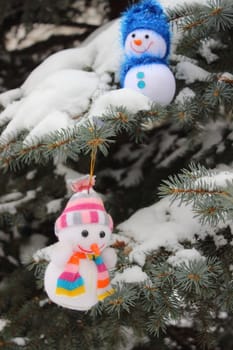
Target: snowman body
[(154, 80), (88, 271), (145, 68), (79, 239)]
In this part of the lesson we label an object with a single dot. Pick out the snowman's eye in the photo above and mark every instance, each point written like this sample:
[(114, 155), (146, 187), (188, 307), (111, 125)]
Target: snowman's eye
[(147, 36), (102, 234), (133, 35), (84, 233)]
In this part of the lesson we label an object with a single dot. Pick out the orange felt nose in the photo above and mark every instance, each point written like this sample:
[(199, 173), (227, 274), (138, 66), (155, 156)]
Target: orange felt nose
[(95, 248), (137, 42)]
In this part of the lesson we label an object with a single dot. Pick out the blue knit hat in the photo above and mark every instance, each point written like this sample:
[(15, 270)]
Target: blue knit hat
[(147, 14)]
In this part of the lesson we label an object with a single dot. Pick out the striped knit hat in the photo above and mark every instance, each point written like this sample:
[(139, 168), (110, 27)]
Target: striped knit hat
[(84, 207)]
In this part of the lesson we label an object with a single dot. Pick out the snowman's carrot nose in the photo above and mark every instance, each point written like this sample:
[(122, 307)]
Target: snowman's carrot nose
[(138, 42), (95, 248)]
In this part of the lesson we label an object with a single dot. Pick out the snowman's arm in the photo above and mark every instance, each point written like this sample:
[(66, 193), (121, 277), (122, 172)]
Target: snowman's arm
[(61, 254), (109, 257)]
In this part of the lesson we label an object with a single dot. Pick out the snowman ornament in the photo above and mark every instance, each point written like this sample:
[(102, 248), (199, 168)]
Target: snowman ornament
[(77, 276), (146, 44)]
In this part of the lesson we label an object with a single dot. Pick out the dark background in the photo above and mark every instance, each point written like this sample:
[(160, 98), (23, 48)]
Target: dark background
[(16, 65)]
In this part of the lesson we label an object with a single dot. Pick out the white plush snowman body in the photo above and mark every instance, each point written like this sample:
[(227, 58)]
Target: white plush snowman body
[(154, 80), (77, 276), (71, 240), (82, 302), (146, 68)]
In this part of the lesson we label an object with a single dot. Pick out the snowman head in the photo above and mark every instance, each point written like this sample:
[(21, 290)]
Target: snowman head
[(143, 41), (145, 30), (84, 224), (88, 239)]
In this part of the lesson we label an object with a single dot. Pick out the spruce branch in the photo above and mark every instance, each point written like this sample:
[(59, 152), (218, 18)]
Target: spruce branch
[(226, 296), (62, 144), (5, 146), (124, 299), (7, 219), (157, 324), (197, 276), (134, 124), (70, 143), (219, 93), (197, 186), (185, 288), (217, 14), (196, 171), (186, 113), (38, 270), (149, 293), (120, 118), (95, 135), (178, 13), (211, 211), (203, 22), (162, 275)]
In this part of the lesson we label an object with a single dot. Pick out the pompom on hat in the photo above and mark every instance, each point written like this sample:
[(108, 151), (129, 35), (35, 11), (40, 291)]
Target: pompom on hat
[(147, 14), (84, 207)]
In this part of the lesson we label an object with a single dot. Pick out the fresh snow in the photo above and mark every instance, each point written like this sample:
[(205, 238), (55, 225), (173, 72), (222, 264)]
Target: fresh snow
[(19, 341), (3, 323), (131, 340), (186, 322), (173, 3), (12, 260), (133, 274), (18, 38), (31, 174), (11, 206), (96, 54), (185, 95), (181, 145), (220, 180), (43, 302), (226, 75), (150, 228), (185, 255), (54, 206), (212, 136), (132, 100), (190, 72), (21, 36), (14, 196), (55, 120), (66, 93), (206, 47), (60, 91), (163, 224), (168, 225), (220, 241)]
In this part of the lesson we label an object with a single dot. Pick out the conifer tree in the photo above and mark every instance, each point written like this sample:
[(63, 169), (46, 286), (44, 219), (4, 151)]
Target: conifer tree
[(166, 177)]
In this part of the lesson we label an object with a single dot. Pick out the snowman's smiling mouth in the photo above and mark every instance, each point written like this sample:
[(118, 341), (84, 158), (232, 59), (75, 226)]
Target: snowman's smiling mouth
[(89, 251), (143, 51)]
